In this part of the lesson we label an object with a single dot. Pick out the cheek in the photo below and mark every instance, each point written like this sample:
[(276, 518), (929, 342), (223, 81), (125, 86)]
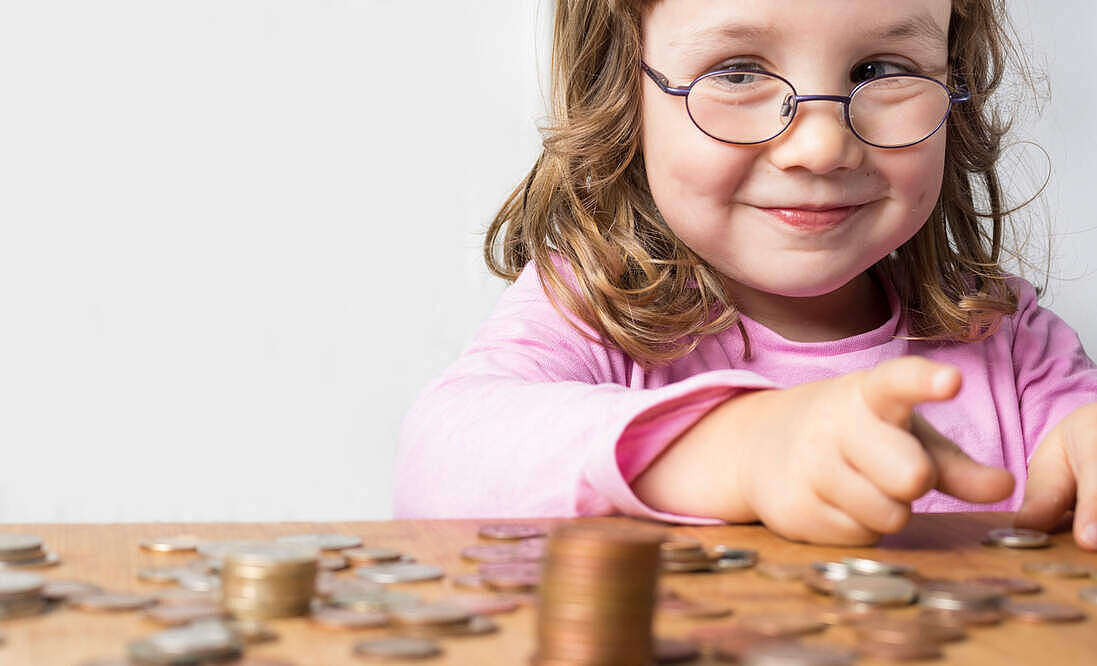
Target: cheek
[(690, 174), (916, 178)]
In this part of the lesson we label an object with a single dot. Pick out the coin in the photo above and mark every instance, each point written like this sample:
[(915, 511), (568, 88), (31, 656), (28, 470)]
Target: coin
[(331, 617), (502, 552), (962, 618), (1057, 569), (482, 604), (112, 601), (332, 563), (508, 532), (1006, 585), (13, 544), (1043, 611), (899, 651), (896, 631), (430, 613), (477, 625), (867, 567), (45, 559), (1088, 594), (957, 596), (400, 572), (160, 575), (371, 555), (877, 590), (398, 647), (323, 541), (63, 590), (1012, 537), (728, 557), (171, 544), (196, 582)]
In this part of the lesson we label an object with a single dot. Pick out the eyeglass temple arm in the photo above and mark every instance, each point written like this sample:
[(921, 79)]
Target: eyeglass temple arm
[(962, 92), (662, 81)]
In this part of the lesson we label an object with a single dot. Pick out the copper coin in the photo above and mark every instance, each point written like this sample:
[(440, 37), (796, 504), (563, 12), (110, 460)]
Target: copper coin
[(783, 626), (398, 647), (344, 618), (508, 532), (674, 650), (174, 616), (687, 608), (371, 555), (1044, 611), (962, 618), (1006, 585), (64, 590), (112, 601), (171, 544), (899, 651), (482, 604), (784, 570), (502, 552)]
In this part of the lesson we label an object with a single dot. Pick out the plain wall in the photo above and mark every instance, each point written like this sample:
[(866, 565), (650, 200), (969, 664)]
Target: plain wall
[(238, 237)]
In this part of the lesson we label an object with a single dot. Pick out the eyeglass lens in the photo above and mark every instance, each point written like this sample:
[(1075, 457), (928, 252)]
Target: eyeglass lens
[(748, 107)]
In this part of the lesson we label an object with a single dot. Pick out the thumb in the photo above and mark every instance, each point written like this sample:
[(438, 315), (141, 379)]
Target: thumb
[(894, 387), (957, 474), (1050, 490)]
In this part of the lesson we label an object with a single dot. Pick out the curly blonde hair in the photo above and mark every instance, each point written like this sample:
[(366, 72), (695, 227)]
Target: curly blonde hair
[(586, 200)]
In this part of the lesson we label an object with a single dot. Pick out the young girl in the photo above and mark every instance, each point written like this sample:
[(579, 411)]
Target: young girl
[(756, 278)]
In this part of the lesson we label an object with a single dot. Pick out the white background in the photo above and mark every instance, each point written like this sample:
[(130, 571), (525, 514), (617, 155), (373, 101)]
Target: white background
[(238, 237)]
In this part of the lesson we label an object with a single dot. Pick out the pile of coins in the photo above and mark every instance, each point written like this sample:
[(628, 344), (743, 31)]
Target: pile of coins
[(597, 596), (261, 580), (686, 554), (24, 550), (20, 594)]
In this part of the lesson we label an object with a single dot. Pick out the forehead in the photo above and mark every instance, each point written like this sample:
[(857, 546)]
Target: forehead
[(689, 27)]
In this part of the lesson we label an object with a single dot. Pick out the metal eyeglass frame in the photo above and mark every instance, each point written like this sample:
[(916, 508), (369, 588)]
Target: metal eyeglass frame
[(963, 95)]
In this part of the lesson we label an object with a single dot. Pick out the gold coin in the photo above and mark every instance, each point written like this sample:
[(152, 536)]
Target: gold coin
[(171, 544)]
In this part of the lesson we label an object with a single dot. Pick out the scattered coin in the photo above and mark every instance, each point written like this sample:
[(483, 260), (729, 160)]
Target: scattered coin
[(962, 618), (728, 557), (371, 555), (112, 601), (323, 541), (502, 552), (1057, 569), (430, 613), (866, 567), (482, 604), (1043, 611), (899, 651), (877, 590), (508, 532), (807, 654), (783, 625), (1012, 537), (398, 647), (161, 575), (1088, 594), (198, 582), (174, 616), (171, 544), (331, 617), (783, 570), (400, 572), (195, 643), (1006, 585), (332, 563)]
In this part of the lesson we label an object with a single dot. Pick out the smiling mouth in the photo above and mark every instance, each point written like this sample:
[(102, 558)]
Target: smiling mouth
[(813, 218)]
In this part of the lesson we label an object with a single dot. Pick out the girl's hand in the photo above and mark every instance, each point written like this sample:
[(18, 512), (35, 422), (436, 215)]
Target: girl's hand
[(1063, 475), (840, 460)]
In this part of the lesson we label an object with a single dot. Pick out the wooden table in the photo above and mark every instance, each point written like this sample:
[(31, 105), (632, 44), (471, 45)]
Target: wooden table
[(936, 545)]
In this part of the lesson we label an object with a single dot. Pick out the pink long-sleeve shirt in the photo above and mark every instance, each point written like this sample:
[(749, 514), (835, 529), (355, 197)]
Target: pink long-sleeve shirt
[(533, 419)]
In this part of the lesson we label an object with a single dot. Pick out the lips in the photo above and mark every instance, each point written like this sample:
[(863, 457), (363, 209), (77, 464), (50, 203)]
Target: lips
[(813, 217)]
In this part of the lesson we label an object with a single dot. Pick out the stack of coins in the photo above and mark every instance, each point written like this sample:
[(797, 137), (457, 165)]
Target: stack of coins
[(20, 594), (597, 596), (24, 550), (264, 580), (685, 554)]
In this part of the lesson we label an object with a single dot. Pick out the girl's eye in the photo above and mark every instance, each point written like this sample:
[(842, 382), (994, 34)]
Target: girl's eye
[(740, 74), (875, 68)]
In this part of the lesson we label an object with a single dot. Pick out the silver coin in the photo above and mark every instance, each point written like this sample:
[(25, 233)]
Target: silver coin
[(161, 575), (271, 552), (787, 653), (18, 543), (171, 544), (198, 582), (832, 570), (323, 541), (19, 584), (192, 643), (1015, 537), (734, 558), (866, 567), (48, 559), (877, 590), (1088, 594), (400, 572)]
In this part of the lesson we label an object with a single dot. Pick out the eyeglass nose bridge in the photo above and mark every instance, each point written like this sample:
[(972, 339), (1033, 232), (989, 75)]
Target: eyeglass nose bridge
[(792, 102)]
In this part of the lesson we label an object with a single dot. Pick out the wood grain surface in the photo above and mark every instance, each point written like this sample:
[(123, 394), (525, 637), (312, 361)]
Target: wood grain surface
[(936, 545)]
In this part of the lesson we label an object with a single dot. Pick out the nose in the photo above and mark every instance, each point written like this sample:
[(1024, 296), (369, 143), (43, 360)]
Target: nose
[(817, 140)]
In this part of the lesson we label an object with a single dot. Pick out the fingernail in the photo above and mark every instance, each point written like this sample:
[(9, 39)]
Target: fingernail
[(1089, 534), (942, 380)]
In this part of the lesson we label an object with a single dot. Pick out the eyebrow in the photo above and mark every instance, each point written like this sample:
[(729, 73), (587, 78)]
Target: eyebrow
[(920, 29)]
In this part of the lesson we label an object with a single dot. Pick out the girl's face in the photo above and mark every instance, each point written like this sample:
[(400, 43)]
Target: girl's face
[(731, 204)]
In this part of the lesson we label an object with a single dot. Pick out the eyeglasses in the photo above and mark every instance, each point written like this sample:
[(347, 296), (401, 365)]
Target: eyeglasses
[(750, 106)]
